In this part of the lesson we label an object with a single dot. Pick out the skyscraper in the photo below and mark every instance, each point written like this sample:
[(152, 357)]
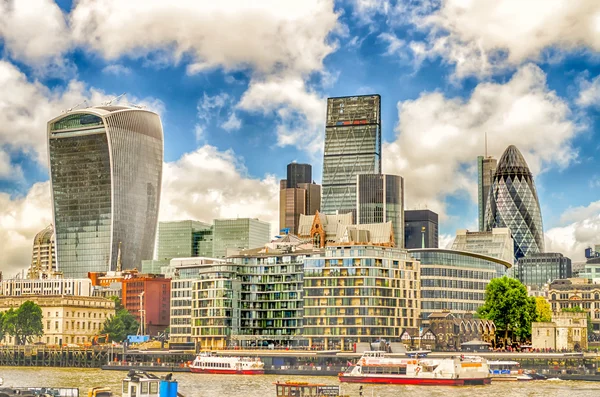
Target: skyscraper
[(513, 203), (105, 175), (486, 167), (380, 199), (297, 195), (420, 229), (352, 147), (239, 234)]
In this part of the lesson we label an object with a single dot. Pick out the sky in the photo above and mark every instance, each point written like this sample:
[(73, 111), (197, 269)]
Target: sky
[(241, 89)]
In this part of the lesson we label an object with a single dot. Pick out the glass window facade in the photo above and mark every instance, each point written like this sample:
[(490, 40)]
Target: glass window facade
[(536, 270), (239, 234), (513, 203), (486, 167), (352, 147), (381, 199), (184, 239), (420, 229), (105, 171), (454, 280), (360, 294)]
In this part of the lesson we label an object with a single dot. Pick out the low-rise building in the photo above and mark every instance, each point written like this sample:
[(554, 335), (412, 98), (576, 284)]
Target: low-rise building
[(356, 294), (566, 331), (455, 281), (450, 330), (576, 292), (66, 319), (46, 286)]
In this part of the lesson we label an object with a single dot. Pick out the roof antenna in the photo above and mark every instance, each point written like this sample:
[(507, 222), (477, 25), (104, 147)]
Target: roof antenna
[(485, 144)]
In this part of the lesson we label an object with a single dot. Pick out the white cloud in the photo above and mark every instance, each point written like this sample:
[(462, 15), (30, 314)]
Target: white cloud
[(301, 110), (232, 123), (21, 218), (482, 36), (34, 31), (28, 105), (581, 230), (223, 191), (216, 108), (117, 70), (589, 93), (438, 138)]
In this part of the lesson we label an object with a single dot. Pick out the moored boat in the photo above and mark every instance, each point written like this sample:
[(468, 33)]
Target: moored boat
[(507, 371), (375, 367), (207, 363)]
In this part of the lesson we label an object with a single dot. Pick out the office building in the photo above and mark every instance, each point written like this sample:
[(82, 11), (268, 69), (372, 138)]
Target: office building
[(297, 196), (455, 281), (356, 294), (43, 259), (184, 239), (380, 199), (486, 167), (147, 298), (591, 270), (535, 270), (66, 320), (576, 292), (513, 203), (297, 174), (105, 175), (233, 235), (352, 147), (497, 243), (420, 229)]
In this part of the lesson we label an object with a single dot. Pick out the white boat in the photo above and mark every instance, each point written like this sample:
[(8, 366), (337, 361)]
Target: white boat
[(502, 371), (207, 363), (375, 367)]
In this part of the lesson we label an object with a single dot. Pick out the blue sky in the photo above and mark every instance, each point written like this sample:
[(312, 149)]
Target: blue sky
[(241, 89)]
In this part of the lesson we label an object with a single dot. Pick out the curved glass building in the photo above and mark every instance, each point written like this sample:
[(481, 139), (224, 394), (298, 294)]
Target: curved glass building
[(105, 175), (513, 203), (455, 280)]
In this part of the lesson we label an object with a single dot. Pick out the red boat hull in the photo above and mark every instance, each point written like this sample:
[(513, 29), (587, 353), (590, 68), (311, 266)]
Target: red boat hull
[(415, 381), (227, 371)]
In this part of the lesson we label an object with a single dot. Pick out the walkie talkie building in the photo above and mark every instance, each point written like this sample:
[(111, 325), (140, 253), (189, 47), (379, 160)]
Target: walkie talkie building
[(105, 175)]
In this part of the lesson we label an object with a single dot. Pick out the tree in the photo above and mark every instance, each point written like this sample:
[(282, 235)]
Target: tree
[(23, 323), (542, 310), (507, 304), (121, 324), (574, 309)]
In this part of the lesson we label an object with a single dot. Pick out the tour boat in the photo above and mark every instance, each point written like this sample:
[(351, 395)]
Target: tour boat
[(207, 363), (375, 367), (502, 371)]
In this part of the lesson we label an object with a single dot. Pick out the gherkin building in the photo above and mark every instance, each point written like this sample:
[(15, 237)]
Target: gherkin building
[(513, 203)]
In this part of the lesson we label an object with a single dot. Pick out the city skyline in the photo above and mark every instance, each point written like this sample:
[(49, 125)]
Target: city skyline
[(237, 114)]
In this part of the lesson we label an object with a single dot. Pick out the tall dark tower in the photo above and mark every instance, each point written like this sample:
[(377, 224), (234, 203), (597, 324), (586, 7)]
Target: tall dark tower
[(298, 173), (513, 203), (297, 195)]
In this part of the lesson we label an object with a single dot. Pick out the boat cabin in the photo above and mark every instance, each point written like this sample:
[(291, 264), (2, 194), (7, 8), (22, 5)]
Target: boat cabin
[(143, 384), (305, 389)]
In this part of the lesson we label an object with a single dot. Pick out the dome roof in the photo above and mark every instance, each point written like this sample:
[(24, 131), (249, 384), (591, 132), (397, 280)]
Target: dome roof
[(512, 163), (46, 236)]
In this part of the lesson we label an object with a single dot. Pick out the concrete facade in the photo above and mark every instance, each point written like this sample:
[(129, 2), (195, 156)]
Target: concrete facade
[(567, 331)]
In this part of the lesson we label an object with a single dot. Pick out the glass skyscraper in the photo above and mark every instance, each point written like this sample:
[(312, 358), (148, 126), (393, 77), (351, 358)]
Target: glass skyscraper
[(184, 239), (486, 167), (513, 203), (380, 199), (105, 175), (352, 147), (239, 234)]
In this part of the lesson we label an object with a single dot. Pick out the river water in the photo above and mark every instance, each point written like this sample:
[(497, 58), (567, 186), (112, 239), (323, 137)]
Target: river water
[(200, 385)]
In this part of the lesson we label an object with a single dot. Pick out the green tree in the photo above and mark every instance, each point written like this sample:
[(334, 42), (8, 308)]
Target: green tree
[(507, 304), (574, 309), (24, 323), (121, 324), (542, 310)]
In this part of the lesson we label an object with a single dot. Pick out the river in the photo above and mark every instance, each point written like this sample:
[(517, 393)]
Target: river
[(199, 385)]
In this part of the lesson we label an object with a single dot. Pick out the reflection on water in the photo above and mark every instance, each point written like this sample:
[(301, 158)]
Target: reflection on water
[(200, 385)]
